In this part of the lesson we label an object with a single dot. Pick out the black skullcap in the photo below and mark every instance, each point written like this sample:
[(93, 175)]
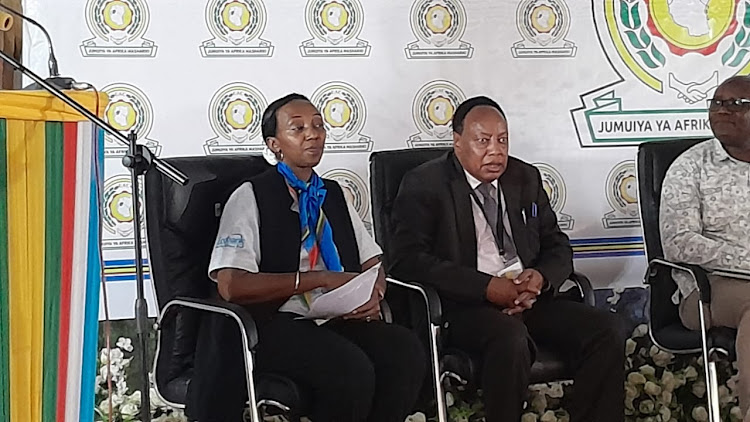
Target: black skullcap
[(460, 114), (268, 122)]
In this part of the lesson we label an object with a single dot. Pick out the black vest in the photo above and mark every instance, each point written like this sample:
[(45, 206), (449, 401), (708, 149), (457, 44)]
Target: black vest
[(280, 233)]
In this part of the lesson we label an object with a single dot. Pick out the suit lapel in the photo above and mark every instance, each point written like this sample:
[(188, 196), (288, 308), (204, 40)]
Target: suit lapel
[(460, 192)]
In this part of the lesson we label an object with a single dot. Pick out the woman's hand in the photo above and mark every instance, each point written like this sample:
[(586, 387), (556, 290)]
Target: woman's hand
[(369, 311)]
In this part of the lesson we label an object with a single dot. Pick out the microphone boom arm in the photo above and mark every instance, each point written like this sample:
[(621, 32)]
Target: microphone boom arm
[(162, 166)]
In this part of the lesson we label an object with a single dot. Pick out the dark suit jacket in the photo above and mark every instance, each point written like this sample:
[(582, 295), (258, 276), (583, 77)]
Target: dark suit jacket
[(434, 240)]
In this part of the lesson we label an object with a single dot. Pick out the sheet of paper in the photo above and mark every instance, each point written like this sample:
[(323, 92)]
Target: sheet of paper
[(346, 298)]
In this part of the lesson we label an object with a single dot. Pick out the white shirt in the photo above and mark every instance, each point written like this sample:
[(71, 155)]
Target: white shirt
[(238, 243), (489, 259)]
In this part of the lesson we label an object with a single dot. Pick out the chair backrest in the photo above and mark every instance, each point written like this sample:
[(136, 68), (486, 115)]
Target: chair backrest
[(654, 159), (387, 168), (182, 222)]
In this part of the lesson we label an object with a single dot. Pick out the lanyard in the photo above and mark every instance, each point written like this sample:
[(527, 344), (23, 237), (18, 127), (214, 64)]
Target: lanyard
[(499, 231)]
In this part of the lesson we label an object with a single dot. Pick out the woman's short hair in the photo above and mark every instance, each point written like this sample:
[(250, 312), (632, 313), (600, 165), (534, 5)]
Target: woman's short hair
[(268, 122)]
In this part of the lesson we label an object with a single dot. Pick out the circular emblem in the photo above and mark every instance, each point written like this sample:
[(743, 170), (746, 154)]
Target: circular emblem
[(235, 112), (236, 21), (438, 22), (622, 189), (692, 25), (543, 21), (117, 212), (343, 109), (334, 21), (554, 185), (434, 105), (355, 189), (128, 109), (117, 21)]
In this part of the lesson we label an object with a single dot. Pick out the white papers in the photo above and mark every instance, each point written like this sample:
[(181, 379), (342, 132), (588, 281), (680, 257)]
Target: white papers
[(346, 298)]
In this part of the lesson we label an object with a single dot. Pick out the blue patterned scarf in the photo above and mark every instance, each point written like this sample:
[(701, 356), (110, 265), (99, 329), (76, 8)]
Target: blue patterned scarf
[(313, 222)]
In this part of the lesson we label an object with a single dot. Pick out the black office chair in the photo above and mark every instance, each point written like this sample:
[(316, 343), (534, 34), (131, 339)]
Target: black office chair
[(418, 306), (182, 222), (665, 328)]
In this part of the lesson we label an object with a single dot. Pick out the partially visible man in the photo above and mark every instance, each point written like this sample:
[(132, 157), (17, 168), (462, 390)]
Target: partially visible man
[(705, 220), (464, 223)]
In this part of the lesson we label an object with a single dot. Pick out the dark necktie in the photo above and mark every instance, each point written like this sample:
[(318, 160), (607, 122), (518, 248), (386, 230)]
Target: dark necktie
[(491, 213)]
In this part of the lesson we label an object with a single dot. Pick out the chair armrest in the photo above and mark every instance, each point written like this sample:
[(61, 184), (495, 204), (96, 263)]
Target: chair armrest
[(430, 296), (584, 285), (697, 272), (238, 313)]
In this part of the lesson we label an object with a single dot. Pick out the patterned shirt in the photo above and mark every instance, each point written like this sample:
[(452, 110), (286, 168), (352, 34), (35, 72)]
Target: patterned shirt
[(705, 212)]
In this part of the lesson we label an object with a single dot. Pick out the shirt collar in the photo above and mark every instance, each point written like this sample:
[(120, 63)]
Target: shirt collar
[(474, 182), (720, 153)]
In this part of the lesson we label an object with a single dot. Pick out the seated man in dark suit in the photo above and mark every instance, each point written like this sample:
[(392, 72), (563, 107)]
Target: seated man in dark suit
[(477, 225)]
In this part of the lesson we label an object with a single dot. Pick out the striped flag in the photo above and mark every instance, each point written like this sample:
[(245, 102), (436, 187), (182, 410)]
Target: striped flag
[(51, 163)]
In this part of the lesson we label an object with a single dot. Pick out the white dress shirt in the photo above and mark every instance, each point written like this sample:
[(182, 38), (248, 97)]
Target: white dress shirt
[(489, 259)]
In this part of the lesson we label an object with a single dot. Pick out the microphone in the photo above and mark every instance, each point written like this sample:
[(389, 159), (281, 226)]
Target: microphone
[(6, 22)]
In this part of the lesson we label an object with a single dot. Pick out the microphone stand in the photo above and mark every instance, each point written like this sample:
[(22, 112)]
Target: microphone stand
[(138, 160)]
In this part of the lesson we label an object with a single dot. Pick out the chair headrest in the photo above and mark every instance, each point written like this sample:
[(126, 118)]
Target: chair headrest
[(387, 168)]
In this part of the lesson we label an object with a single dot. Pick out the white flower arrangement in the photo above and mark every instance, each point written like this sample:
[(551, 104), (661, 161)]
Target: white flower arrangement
[(125, 405), (659, 387)]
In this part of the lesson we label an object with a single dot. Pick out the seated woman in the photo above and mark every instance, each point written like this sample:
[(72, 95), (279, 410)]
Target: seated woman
[(294, 237)]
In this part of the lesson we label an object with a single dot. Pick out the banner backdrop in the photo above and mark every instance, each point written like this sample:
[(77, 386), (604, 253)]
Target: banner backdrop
[(582, 83)]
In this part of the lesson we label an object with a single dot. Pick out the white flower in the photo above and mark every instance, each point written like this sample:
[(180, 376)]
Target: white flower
[(115, 371), (652, 388), (647, 370), (125, 344), (668, 381), (699, 389), (647, 406), (732, 383), (539, 403), (548, 416), (449, 399), (115, 354), (640, 331), (691, 372), (630, 346), (631, 392), (135, 398), (700, 414), (636, 378), (129, 409), (104, 407), (529, 417), (665, 413), (122, 386), (661, 358), (417, 417), (666, 397), (556, 390)]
